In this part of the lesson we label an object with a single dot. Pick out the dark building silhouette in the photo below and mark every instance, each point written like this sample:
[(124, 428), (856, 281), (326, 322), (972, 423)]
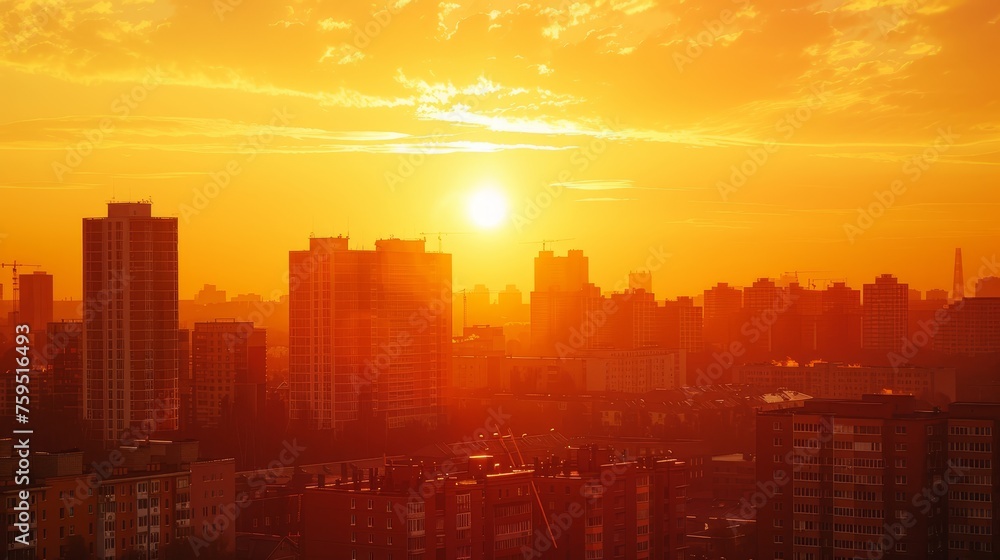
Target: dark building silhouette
[(968, 327), (679, 324), (723, 312), (561, 304), (228, 369), (35, 295), (885, 314), (130, 321), (369, 333), (838, 333), (64, 356), (988, 286)]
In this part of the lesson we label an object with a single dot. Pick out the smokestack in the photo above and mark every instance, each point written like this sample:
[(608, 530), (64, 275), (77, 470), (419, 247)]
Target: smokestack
[(959, 288)]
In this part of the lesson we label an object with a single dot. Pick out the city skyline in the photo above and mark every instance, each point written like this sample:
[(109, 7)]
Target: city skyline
[(490, 280), (975, 267), (657, 120)]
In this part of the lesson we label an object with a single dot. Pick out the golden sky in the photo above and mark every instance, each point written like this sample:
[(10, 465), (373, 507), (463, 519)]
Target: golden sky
[(619, 125)]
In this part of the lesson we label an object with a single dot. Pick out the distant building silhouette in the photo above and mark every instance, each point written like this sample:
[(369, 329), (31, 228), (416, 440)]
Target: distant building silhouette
[(885, 314), (130, 321), (988, 286), (511, 305), (561, 304), (228, 369), (209, 294), (370, 333), (723, 311), (679, 324), (958, 292), (969, 327), (838, 333), (35, 295)]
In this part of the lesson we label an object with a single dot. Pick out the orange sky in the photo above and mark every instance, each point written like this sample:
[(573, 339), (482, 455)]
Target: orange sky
[(625, 119)]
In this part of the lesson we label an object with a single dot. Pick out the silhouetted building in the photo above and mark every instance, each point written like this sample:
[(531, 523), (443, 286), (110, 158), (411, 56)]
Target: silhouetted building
[(838, 381), (210, 294), (848, 479), (417, 510), (562, 305), (598, 504), (64, 354), (130, 320), (958, 292), (968, 327), (973, 514), (988, 286), (158, 499), (760, 301), (511, 306), (478, 307), (185, 382), (723, 311), (369, 333), (885, 314), (228, 369), (839, 330), (35, 295), (679, 324), (627, 321)]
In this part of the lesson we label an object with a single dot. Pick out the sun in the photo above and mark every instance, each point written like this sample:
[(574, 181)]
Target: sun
[(487, 208)]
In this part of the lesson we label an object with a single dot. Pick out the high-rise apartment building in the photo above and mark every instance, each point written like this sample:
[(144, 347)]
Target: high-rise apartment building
[(723, 312), (228, 371), (35, 295), (561, 304), (849, 479), (679, 324), (885, 314), (130, 321), (369, 333)]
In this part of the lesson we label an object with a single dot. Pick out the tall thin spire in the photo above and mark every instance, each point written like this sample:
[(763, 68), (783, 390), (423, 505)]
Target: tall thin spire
[(959, 288)]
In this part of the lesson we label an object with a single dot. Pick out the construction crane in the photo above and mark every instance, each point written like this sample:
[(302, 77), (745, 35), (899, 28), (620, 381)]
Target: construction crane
[(439, 234), (465, 309), (795, 273), (545, 242), (812, 281), (13, 287)]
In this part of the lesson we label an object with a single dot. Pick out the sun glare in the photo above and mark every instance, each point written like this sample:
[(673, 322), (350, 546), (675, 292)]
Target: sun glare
[(487, 208)]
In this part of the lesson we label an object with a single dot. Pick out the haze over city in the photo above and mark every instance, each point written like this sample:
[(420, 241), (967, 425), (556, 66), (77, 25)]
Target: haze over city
[(488, 280)]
